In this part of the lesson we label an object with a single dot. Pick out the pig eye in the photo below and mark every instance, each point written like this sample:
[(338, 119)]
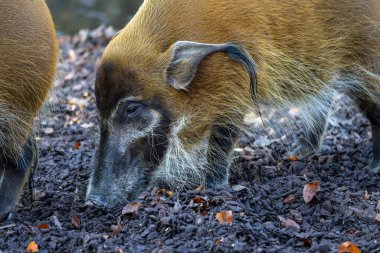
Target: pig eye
[(132, 109)]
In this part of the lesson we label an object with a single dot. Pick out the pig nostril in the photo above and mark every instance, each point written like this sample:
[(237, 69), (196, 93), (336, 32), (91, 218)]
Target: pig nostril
[(95, 201)]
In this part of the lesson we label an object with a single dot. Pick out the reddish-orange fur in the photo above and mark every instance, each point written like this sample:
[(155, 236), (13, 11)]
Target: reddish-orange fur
[(303, 51), (290, 41), (28, 58)]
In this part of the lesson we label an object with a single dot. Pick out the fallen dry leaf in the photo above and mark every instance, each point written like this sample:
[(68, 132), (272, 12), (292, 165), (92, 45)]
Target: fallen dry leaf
[(289, 199), (131, 208), (292, 158), (310, 190), (43, 226), (289, 223), (32, 247), (202, 203), (199, 200), (75, 221), (377, 217), (77, 145), (225, 217), (165, 192), (348, 247), (161, 191), (116, 229)]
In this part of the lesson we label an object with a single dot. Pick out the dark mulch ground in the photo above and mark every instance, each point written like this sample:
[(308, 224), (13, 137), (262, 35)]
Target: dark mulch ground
[(263, 185)]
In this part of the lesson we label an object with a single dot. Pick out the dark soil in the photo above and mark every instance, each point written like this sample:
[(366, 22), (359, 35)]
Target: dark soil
[(265, 187)]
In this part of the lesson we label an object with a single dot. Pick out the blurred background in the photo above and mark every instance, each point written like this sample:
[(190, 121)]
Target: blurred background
[(72, 15)]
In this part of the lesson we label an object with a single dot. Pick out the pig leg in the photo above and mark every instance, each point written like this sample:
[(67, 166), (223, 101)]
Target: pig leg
[(13, 176), (220, 149), (311, 138), (372, 111)]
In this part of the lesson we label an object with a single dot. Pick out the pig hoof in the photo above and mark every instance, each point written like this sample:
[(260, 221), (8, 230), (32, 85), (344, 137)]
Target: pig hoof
[(374, 166)]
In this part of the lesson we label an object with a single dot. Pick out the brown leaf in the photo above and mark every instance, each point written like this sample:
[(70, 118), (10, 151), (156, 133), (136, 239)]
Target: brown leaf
[(164, 192), (161, 191), (32, 247), (43, 226), (131, 208), (75, 221), (348, 247), (116, 229), (199, 200), (377, 217), (119, 250), (77, 145), (225, 217), (310, 190), (289, 199), (292, 158), (289, 223), (201, 203)]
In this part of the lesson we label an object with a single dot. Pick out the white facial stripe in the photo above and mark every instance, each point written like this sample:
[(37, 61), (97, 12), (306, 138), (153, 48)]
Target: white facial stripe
[(129, 136), (123, 138)]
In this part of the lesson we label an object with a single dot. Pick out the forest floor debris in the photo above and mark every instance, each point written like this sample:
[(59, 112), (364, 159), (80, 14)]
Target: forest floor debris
[(263, 210)]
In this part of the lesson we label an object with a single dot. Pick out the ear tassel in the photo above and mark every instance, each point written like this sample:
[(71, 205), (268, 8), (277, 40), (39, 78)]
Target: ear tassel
[(187, 55), (238, 53)]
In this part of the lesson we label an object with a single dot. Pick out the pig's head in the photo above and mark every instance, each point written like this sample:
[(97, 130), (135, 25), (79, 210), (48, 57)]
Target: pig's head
[(168, 116)]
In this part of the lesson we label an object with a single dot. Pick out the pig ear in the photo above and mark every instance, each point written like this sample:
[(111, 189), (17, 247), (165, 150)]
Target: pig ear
[(187, 55)]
